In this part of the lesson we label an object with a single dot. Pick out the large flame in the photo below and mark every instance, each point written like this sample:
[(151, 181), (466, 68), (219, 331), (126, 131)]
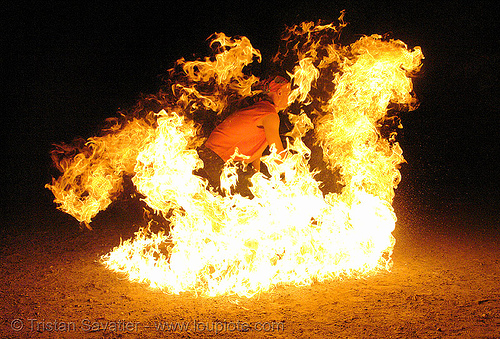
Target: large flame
[(289, 232)]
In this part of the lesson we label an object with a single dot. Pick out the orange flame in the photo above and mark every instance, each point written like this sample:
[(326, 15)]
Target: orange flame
[(289, 232)]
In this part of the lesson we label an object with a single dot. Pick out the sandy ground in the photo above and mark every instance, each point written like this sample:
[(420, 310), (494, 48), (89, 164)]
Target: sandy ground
[(444, 284)]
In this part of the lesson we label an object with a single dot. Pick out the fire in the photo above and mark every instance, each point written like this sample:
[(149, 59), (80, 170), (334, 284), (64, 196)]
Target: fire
[(290, 232)]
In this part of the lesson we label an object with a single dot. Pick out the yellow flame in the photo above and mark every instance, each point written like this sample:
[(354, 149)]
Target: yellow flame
[(93, 177), (289, 232), (373, 78), (226, 70)]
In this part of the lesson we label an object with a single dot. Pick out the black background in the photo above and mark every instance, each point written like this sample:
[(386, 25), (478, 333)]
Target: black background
[(68, 67)]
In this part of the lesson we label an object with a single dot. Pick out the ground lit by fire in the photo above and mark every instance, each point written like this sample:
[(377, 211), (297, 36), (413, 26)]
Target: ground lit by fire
[(290, 231)]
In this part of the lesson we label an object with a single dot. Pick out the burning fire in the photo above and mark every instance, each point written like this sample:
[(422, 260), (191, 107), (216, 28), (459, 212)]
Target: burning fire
[(290, 232)]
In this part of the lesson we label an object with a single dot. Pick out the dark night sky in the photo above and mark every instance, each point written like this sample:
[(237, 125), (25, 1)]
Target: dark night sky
[(69, 67)]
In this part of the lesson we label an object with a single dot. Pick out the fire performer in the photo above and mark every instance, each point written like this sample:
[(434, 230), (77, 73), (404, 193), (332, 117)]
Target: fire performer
[(250, 130)]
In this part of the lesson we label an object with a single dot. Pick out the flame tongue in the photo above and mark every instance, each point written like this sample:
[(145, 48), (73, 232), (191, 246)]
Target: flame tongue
[(375, 77), (289, 232)]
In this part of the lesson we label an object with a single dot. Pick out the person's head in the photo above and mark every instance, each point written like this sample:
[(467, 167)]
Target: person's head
[(278, 89)]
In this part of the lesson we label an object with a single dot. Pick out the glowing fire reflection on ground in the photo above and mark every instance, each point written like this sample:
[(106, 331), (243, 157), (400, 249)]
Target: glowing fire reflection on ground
[(290, 232)]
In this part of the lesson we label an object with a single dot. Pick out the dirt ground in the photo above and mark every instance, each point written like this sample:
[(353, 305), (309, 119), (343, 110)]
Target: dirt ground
[(444, 284)]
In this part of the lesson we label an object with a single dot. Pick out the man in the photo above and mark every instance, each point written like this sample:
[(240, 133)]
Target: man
[(250, 130)]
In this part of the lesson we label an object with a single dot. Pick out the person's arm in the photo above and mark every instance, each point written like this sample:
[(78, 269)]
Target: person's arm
[(256, 163), (271, 124), (255, 158)]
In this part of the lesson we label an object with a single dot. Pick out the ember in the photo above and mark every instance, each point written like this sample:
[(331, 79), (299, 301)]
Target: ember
[(289, 232)]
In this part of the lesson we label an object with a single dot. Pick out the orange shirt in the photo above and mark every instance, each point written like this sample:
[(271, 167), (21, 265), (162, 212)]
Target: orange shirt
[(241, 130)]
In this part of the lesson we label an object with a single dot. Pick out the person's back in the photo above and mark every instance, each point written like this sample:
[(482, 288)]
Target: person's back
[(241, 130)]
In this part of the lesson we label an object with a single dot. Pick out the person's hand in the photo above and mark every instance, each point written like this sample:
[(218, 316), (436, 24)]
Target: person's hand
[(283, 155)]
